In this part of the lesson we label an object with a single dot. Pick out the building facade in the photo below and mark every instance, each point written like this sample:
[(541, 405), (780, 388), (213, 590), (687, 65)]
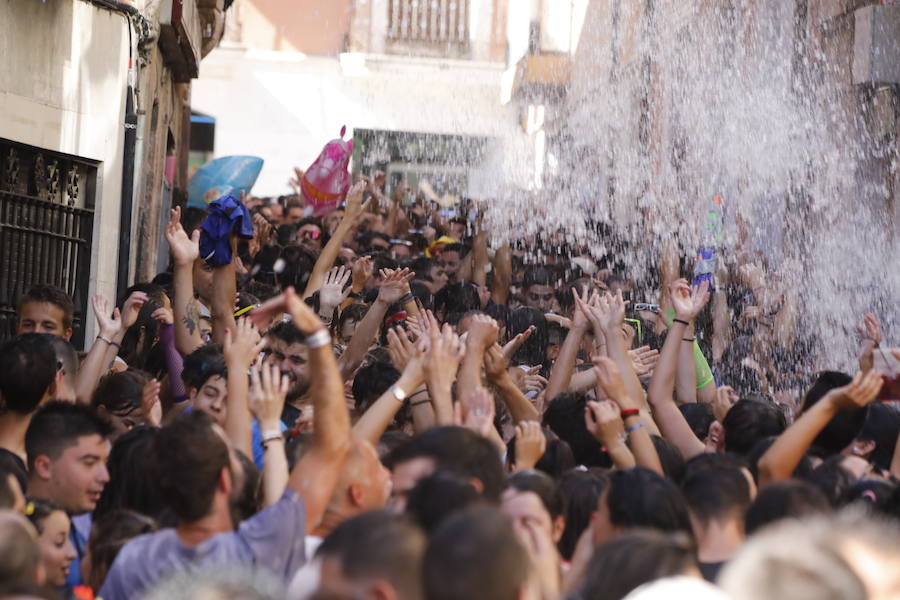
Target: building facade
[(289, 75), (94, 134)]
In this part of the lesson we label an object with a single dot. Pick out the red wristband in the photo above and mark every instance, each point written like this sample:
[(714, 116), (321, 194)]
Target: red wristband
[(630, 412)]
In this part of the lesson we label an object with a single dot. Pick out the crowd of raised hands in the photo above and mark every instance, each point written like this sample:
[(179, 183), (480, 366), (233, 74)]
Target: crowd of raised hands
[(376, 404)]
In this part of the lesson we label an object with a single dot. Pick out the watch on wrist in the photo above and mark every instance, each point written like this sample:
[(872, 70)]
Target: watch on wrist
[(398, 393)]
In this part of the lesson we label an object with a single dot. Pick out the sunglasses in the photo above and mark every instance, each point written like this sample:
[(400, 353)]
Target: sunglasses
[(639, 306), (310, 235)]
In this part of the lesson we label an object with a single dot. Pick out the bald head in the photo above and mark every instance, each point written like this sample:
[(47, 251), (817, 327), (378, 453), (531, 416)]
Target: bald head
[(364, 482)]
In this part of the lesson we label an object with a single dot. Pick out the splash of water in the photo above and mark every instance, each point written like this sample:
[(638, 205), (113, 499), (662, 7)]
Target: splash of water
[(675, 102)]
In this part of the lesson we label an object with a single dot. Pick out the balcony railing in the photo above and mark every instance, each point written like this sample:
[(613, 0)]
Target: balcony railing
[(429, 22)]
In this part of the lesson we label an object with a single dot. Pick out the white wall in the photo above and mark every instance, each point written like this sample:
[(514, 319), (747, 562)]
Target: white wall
[(62, 81), (285, 106)]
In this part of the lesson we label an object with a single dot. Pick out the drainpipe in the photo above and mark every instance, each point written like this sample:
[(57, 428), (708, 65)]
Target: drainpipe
[(127, 204)]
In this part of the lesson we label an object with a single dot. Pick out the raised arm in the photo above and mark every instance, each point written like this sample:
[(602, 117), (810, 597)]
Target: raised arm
[(480, 256), (223, 294), (109, 323), (609, 380), (605, 424), (316, 474), (780, 460), (185, 250), (445, 352), (242, 346), (870, 332), (174, 361), (267, 393), (352, 213), (688, 304), (496, 368), (606, 314), (686, 374), (561, 374), (482, 334), (502, 274), (530, 445), (394, 285), (375, 421), (333, 292)]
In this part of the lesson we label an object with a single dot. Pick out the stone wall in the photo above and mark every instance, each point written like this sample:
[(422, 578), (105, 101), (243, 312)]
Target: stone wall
[(63, 76)]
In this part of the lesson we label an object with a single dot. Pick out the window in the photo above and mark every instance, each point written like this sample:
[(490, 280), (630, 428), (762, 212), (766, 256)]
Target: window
[(46, 223)]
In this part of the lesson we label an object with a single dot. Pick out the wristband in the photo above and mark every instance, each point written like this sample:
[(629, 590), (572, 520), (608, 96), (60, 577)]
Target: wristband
[(420, 402), (397, 392), (108, 341), (355, 295), (680, 321), (633, 428), (630, 412), (271, 436), (318, 339), (406, 299), (688, 339)]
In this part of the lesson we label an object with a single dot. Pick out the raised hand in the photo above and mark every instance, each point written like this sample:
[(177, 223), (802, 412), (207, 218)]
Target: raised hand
[(151, 408), (725, 399), (514, 344), (496, 364), (688, 302), (163, 316), (132, 307), (479, 413), (302, 315), (361, 273), (334, 290), (530, 444), (262, 315), (242, 345), (354, 207), (644, 360), (444, 353), (610, 379), (483, 332), (185, 250), (108, 323), (606, 312), (604, 422), (532, 381), (394, 285), (421, 326), (581, 317), (268, 389), (860, 392), (870, 330), (400, 347)]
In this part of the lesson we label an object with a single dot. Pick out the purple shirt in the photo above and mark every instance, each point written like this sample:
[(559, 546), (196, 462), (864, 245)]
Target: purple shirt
[(273, 539)]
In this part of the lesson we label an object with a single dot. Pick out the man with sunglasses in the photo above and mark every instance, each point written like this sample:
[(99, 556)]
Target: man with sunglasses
[(309, 235)]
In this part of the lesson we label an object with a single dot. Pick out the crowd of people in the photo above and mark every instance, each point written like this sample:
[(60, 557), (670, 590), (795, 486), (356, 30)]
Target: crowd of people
[(375, 404)]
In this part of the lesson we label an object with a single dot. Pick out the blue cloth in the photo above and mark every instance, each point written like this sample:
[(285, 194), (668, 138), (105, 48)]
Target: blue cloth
[(79, 534), (258, 451), (226, 215), (272, 539)]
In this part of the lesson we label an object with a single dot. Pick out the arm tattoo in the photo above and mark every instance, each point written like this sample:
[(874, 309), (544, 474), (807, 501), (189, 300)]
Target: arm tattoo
[(190, 317)]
